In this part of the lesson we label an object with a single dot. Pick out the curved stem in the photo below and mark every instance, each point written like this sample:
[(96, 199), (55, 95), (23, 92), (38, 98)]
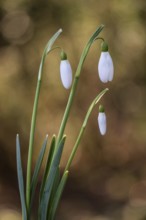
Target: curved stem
[(100, 38), (48, 48), (95, 101), (54, 48), (75, 82)]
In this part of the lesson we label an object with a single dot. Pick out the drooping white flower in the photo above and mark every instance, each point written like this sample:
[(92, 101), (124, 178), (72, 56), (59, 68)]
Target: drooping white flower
[(65, 71), (102, 121), (105, 65)]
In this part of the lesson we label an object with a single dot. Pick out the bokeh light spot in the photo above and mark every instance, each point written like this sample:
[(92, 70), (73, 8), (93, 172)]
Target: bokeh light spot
[(17, 27)]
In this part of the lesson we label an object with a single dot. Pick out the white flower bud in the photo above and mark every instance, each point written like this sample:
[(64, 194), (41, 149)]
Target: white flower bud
[(102, 122), (105, 67), (66, 73)]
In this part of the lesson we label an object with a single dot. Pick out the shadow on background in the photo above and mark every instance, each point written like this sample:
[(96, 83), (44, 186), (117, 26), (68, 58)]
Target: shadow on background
[(108, 177)]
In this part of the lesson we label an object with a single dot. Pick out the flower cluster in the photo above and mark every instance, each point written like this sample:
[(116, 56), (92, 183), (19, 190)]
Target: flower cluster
[(52, 183), (106, 73)]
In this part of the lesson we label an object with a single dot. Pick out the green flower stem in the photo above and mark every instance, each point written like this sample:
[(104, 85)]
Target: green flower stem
[(95, 101), (48, 49), (32, 132), (75, 82)]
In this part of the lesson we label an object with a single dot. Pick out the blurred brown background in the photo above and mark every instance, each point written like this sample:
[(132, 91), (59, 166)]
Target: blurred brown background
[(108, 177)]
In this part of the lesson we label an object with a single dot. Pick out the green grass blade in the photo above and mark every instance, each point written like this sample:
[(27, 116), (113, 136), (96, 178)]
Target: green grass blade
[(37, 168), (20, 178), (44, 203), (49, 159), (54, 189), (57, 197)]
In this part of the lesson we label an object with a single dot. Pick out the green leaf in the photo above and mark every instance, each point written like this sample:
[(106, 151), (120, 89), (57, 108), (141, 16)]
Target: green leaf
[(37, 168), (43, 207), (20, 178), (54, 189), (49, 159), (57, 196)]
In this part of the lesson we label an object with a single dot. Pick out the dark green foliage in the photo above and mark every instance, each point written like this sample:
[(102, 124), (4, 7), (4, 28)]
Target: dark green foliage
[(37, 169), (44, 202), (20, 178)]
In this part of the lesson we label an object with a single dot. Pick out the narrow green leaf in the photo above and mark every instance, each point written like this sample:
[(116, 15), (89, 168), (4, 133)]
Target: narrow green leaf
[(20, 178), (37, 169), (57, 196), (43, 207), (55, 184), (54, 189), (49, 159)]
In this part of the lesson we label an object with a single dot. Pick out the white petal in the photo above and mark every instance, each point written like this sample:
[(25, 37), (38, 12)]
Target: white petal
[(102, 122), (66, 73), (105, 67), (102, 69), (111, 67)]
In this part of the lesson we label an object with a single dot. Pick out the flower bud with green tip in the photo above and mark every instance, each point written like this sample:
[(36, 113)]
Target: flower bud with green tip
[(102, 120), (105, 65), (65, 71)]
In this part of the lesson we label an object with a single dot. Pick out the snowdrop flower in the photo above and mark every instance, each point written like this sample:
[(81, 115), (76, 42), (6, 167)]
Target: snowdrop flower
[(105, 65), (102, 120), (65, 71)]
